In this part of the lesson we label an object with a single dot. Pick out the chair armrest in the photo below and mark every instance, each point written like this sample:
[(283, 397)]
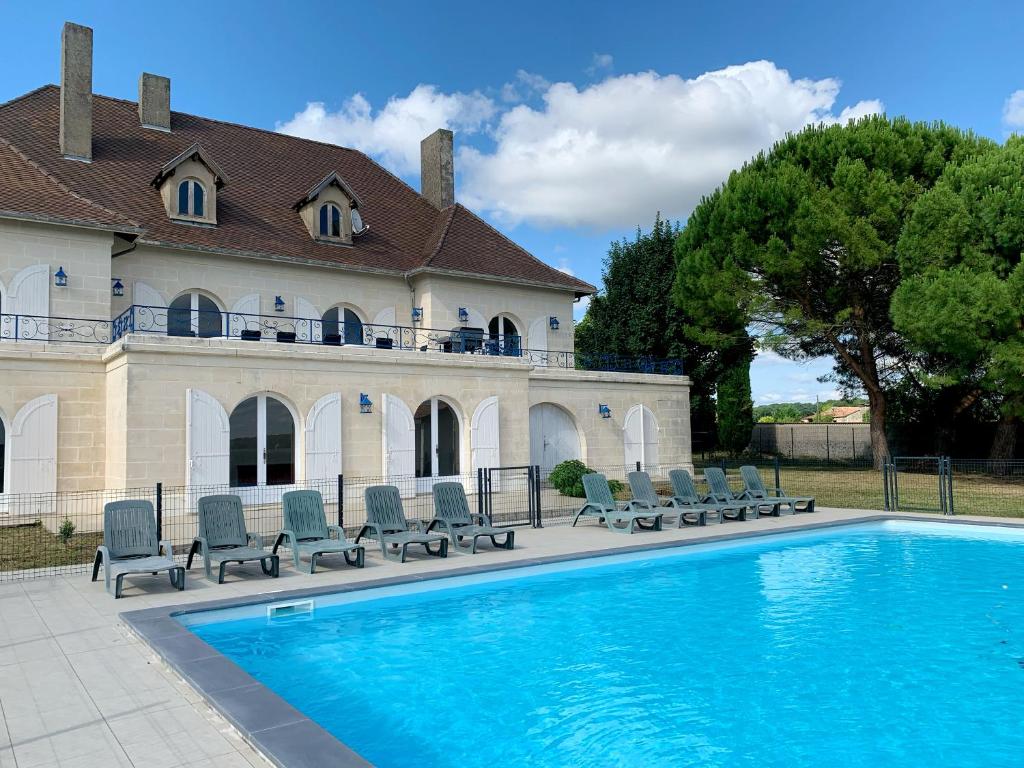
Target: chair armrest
[(414, 525), (103, 554), (255, 539), (481, 519), (639, 504), (779, 492), (370, 531), (286, 538), (165, 545), (338, 530), (204, 546)]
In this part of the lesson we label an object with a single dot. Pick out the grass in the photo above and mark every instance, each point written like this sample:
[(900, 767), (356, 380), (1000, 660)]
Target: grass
[(33, 546)]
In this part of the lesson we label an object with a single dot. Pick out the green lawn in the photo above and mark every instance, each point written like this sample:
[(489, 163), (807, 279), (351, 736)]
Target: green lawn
[(32, 546)]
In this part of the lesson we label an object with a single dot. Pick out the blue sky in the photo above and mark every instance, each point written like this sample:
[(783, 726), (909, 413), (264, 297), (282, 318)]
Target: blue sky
[(574, 122)]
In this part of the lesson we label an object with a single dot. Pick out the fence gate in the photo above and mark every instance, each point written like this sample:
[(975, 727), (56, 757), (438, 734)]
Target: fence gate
[(509, 495), (918, 484)]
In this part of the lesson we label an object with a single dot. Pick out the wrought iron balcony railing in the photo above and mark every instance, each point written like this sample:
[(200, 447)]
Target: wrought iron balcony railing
[(164, 321)]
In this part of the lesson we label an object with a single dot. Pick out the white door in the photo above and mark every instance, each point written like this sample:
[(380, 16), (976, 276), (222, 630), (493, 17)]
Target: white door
[(207, 440), (33, 446), (29, 299), (485, 435), (537, 341), (399, 444), (640, 439), (149, 309), (323, 438), (244, 315), (553, 437)]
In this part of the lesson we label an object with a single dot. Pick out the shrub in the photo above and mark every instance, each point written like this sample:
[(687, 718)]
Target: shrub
[(567, 477), (66, 530)]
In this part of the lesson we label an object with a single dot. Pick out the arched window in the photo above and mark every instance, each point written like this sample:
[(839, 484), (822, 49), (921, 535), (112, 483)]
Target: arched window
[(437, 439), (191, 198), (503, 336), (330, 220), (262, 443), (342, 325), (193, 314)]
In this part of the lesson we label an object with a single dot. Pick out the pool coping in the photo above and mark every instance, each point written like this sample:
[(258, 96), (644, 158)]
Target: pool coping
[(283, 734)]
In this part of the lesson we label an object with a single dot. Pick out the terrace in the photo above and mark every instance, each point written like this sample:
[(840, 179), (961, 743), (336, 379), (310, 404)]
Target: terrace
[(279, 328)]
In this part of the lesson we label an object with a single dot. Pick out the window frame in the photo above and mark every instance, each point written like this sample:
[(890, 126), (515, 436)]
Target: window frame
[(192, 183), (328, 214)]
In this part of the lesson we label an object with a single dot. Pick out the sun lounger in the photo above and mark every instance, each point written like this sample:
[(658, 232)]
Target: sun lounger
[(130, 546), (646, 497), (452, 516), (385, 522), (223, 538), (307, 534), (719, 492), (621, 517), (755, 490)]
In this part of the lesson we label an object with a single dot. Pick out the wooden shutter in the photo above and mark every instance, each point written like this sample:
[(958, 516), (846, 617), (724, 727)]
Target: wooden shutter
[(399, 444), (29, 298), (33, 447), (207, 440), (323, 438)]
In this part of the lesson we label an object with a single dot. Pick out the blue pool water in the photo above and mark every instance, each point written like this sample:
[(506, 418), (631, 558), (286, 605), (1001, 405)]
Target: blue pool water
[(882, 645)]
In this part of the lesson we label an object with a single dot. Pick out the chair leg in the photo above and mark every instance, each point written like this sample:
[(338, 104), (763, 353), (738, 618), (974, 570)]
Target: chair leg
[(220, 571), (96, 565)]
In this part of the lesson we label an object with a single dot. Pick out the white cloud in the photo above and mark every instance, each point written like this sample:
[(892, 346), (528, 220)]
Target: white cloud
[(579, 309), (1013, 110), (611, 154), (563, 266), (393, 134), (599, 63), (604, 156)]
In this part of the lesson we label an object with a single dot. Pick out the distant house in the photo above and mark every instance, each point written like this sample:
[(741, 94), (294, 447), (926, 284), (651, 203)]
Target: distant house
[(841, 414)]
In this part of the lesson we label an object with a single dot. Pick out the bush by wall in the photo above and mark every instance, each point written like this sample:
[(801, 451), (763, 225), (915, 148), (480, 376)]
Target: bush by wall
[(567, 477)]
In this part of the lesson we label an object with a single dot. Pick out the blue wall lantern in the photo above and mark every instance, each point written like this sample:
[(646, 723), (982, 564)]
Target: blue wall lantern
[(605, 411), (365, 403), (553, 322), (117, 289), (60, 278), (463, 315), (278, 304), (417, 314)]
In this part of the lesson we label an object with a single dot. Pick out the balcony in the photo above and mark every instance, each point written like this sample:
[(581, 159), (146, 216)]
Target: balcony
[(249, 328)]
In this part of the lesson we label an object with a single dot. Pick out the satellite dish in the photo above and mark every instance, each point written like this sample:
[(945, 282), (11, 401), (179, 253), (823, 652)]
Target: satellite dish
[(358, 227)]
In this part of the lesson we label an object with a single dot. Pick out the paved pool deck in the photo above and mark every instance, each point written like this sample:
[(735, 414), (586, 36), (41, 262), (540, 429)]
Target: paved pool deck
[(79, 688)]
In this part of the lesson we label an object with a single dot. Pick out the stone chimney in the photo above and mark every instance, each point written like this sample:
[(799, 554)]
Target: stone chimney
[(76, 92), (437, 169), (155, 101)]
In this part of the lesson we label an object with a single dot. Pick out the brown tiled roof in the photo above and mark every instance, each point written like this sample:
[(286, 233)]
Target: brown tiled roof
[(267, 173)]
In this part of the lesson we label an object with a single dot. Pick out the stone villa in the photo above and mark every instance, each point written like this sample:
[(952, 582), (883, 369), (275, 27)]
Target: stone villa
[(196, 302)]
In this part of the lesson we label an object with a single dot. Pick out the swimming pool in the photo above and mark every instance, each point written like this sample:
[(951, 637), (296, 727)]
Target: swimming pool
[(891, 643)]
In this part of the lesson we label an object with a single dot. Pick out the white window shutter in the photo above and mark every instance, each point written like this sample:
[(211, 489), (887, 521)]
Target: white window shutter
[(640, 436), (33, 446), (537, 341), (485, 435), (307, 321), (244, 315), (29, 298), (150, 308), (207, 440), (399, 444), (323, 438), (651, 437)]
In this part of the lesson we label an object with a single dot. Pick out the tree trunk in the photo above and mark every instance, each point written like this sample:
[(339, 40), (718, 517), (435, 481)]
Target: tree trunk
[(879, 441), (1004, 443)]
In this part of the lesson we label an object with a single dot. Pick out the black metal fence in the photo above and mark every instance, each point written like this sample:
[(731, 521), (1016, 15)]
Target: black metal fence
[(46, 534)]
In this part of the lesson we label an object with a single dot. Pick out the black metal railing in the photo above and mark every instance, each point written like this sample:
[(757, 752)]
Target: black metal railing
[(189, 323)]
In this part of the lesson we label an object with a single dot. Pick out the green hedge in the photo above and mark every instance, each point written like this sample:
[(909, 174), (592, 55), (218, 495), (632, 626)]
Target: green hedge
[(567, 477)]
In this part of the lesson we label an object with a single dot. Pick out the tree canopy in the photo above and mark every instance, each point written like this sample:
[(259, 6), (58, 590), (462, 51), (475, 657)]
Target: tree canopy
[(802, 244), (961, 300)]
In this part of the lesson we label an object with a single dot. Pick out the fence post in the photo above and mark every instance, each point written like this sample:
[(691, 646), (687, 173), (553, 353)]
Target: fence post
[(480, 491), (949, 478), (792, 443), (885, 485), (341, 501), (159, 511), (828, 446), (778, 476), (638, 467), (536, 498)]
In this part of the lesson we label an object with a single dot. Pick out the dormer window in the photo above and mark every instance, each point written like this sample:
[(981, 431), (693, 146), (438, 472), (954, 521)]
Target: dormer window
[(189, 185), (329, 211), (330, 220), (191, 198)]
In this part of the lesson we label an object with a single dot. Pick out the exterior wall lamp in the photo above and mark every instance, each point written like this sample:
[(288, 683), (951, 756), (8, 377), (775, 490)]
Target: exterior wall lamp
[(553, 322), (365, 403), (604, 410), (60, 278), (463, 315), (417, 314), (278, 304), (117, 289)]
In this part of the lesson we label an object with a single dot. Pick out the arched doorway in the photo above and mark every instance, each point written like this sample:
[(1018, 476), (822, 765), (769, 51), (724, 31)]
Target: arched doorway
[(262, 447), (437, 440), (503, 336), (553, 436), (342, 325), (640, 439), (194, 314)]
